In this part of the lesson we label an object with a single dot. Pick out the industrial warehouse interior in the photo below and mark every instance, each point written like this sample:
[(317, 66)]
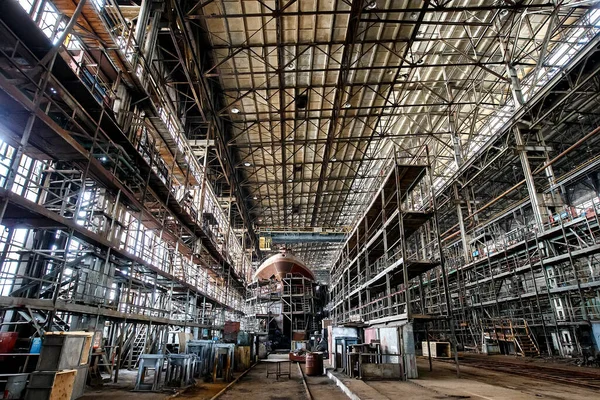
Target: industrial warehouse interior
[(299, 199)]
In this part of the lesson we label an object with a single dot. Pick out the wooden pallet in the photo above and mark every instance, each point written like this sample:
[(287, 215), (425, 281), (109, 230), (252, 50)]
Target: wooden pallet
[(50, 385), (62, 389)]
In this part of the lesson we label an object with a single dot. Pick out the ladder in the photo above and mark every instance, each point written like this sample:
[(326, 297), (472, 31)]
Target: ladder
[(307, 309), (138, 347)]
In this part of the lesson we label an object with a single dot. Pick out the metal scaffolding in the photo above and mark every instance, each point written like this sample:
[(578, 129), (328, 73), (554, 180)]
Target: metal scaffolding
[(141, 146), (109, 219), (288, 305), (378, 277)]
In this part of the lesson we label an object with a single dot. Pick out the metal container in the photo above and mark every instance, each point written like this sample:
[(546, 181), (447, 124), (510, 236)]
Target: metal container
[(230, 331), (61, 352), (36, 345), (50, 385), (15, 385), (8, 341), (243, 339), (314, 364), (80, 381)]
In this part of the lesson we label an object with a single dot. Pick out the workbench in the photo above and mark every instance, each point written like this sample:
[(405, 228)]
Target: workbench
[(278, 372)]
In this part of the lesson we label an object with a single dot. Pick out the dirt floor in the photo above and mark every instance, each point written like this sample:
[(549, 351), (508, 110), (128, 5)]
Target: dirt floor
[(321, 387), (255, 385), (202, 390)]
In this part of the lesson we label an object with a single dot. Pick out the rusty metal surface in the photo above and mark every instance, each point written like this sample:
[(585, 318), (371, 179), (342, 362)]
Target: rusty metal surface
[(279, 265)]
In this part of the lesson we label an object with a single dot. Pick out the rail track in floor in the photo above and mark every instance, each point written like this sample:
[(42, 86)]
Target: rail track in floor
[(307, 391)]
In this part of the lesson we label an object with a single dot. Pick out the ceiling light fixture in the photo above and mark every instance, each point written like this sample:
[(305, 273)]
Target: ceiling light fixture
[(333, 159), (290, 180), (372, 5), (235, 110), (347, 105), (247, 164), (255, 198)]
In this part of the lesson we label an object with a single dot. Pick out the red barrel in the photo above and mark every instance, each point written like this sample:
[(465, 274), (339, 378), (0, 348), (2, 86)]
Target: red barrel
[(314, 364)]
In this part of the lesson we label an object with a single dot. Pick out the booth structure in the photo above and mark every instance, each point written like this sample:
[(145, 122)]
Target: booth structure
[(437, 349)]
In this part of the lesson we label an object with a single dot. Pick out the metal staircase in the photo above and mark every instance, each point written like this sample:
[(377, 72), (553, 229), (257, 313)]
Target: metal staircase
[(135, 346), (40, 317), (524, 340)]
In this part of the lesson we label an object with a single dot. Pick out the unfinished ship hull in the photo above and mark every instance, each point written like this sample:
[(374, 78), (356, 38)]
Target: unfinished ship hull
[(280, 265)]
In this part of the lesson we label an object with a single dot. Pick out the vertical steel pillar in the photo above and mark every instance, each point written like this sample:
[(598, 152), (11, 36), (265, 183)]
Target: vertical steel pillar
[(529, 181), (422, 292), (442, 261), (572, 264), (402, 238), (461, 224), (546, 280), (515, 83)]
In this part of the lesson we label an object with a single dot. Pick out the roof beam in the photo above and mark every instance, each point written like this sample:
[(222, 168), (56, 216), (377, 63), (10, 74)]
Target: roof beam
[(352, 32), (347, 69), (360, 41), (282, 106), (375, 12)]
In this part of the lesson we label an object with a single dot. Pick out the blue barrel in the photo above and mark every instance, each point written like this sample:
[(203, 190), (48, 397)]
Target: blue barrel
[(36, 345)]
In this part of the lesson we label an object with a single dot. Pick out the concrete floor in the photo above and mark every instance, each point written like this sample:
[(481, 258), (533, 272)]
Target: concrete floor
[(121, 390), (486, 384), (255, 385), (475, 383)]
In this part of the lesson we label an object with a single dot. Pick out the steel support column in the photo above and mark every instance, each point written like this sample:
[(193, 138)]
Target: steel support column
[(539, 211)]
